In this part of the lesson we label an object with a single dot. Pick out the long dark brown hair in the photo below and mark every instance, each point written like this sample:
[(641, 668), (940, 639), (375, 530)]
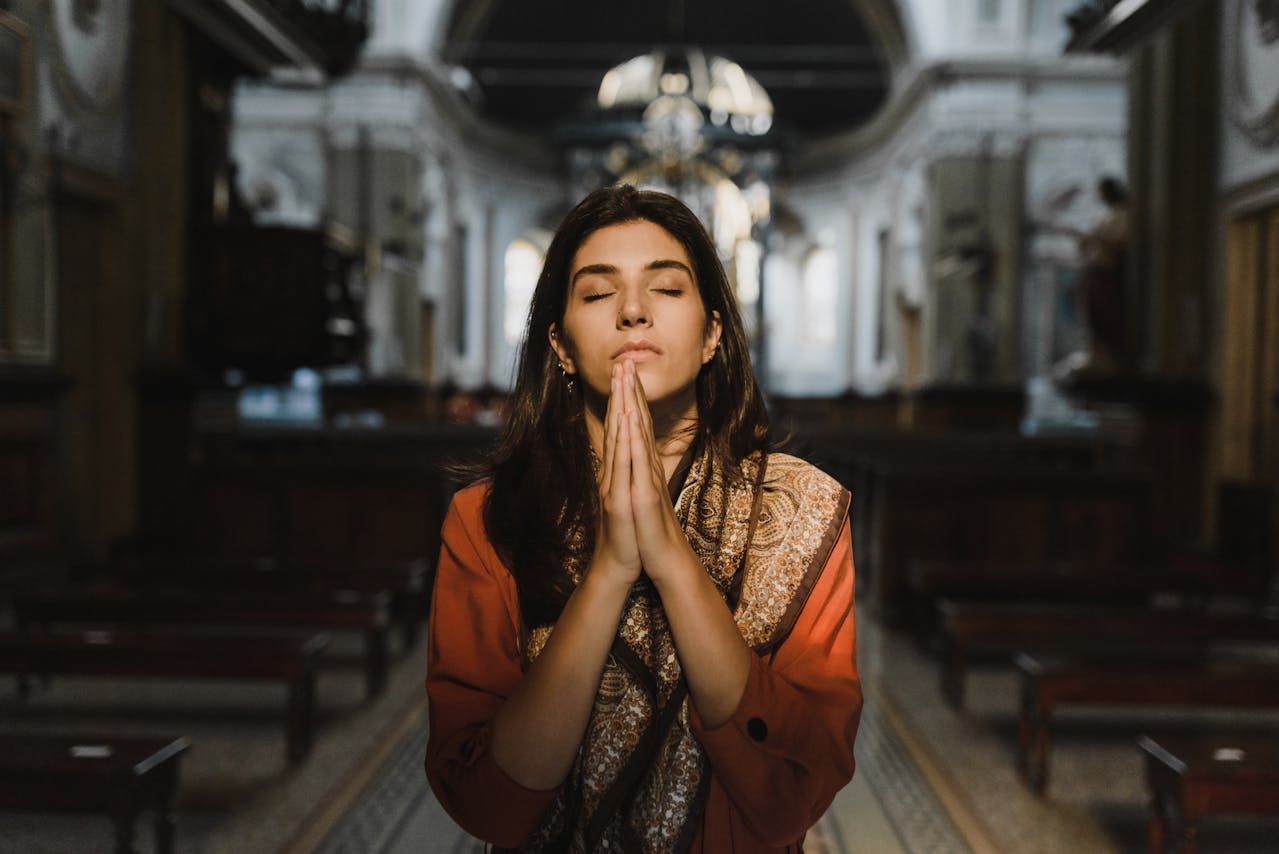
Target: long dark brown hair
[(543, 479)]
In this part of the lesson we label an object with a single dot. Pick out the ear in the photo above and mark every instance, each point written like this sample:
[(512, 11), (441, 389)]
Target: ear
[(561, 351), (710, 340)]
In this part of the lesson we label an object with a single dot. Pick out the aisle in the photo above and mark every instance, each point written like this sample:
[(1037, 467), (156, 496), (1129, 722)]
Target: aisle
[(855, 823), (399, 815)]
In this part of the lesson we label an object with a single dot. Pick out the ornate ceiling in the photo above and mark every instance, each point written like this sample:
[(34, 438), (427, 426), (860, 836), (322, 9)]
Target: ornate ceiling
[(538, 64)]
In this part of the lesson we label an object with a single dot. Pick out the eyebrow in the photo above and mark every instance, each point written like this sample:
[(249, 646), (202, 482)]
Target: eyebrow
[(610, 270)]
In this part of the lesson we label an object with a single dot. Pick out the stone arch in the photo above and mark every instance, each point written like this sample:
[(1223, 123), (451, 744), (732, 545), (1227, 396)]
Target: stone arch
[(891, 22)]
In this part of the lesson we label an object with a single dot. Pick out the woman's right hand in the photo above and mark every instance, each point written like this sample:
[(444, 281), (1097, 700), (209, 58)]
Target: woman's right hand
[(538, 730), (616, 550)]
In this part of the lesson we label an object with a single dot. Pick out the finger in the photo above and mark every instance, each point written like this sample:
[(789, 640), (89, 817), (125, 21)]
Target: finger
[(621, 482), (619, 371), (638, 452), (645, 424), (638, 400), (611, 419), (643, 477)]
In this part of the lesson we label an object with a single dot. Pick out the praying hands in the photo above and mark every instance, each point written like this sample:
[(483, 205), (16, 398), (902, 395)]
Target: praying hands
[(638, 531)]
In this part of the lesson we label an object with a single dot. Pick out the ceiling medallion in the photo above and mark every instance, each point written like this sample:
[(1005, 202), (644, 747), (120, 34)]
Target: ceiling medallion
[(1254, 70)]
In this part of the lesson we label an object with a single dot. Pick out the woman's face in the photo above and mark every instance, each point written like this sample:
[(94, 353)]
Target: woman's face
[(632, 295)]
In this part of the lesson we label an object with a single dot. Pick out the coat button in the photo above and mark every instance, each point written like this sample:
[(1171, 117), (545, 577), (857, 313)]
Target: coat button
[(757, 728)]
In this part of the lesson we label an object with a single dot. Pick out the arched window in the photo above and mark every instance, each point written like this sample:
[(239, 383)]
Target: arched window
[(819, 293), (523, 266)]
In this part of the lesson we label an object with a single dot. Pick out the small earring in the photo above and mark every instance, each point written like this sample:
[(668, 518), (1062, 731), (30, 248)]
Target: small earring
[(568, 378)]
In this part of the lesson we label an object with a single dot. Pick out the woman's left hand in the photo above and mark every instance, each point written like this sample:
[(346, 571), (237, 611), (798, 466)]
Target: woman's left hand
[(660, 539)]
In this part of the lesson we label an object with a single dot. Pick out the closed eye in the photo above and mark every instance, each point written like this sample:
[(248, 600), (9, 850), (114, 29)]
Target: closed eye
[(595, 297), (672, 292)]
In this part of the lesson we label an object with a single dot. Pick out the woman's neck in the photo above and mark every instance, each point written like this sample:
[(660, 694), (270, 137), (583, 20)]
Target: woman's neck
[(674, 428)]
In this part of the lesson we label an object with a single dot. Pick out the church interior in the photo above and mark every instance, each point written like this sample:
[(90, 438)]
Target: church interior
[(1009, 270)]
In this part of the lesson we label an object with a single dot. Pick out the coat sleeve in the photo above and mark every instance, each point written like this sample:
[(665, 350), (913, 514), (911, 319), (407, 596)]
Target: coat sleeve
[(788, 747), (473, 665)]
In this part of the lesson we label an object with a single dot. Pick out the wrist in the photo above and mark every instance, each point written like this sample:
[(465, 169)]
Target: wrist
[(677, 573), (606, 579)]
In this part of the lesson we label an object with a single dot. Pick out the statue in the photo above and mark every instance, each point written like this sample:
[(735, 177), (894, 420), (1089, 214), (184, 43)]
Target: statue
[(1103, 290)]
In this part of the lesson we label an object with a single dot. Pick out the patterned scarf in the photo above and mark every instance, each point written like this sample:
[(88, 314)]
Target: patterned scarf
[(640, 779)]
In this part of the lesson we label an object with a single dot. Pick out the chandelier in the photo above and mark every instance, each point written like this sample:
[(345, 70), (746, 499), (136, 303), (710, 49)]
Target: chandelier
[(682, 96)]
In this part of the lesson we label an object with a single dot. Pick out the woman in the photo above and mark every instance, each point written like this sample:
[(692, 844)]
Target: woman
[(642, 635)]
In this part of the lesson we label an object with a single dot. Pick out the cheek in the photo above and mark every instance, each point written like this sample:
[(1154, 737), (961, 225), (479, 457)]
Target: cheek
[(576, 338)]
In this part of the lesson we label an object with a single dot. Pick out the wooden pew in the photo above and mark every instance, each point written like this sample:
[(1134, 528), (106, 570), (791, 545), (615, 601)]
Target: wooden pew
[(290, 660), (1191, 777), (368, 614), (406, 581), (1189, 581), (1152, 680), (981, 512), (929, 581), (122, 777), (1010, 627)]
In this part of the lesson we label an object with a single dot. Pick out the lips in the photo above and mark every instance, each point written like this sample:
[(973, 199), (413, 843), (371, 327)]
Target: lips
[(638, 350)]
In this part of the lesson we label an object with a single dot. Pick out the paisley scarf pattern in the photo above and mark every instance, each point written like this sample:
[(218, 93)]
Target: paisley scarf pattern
[(640, 778)]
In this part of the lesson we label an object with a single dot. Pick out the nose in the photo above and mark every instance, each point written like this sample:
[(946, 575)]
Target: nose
[(634, 309)]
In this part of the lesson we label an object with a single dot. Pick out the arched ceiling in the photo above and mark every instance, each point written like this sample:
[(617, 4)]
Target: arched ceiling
[(826, 64)]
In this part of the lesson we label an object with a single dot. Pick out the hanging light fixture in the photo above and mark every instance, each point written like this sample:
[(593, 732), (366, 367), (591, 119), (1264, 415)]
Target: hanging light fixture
[(693, 124), (666, 83)]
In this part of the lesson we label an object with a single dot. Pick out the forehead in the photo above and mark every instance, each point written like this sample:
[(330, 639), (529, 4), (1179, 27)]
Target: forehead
[(629, 244)]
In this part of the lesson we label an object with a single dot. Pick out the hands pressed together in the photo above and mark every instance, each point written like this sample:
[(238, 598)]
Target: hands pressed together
[(638, 530)]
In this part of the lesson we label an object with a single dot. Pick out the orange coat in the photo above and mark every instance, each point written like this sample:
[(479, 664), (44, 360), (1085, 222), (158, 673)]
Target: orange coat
[(775, 765)]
